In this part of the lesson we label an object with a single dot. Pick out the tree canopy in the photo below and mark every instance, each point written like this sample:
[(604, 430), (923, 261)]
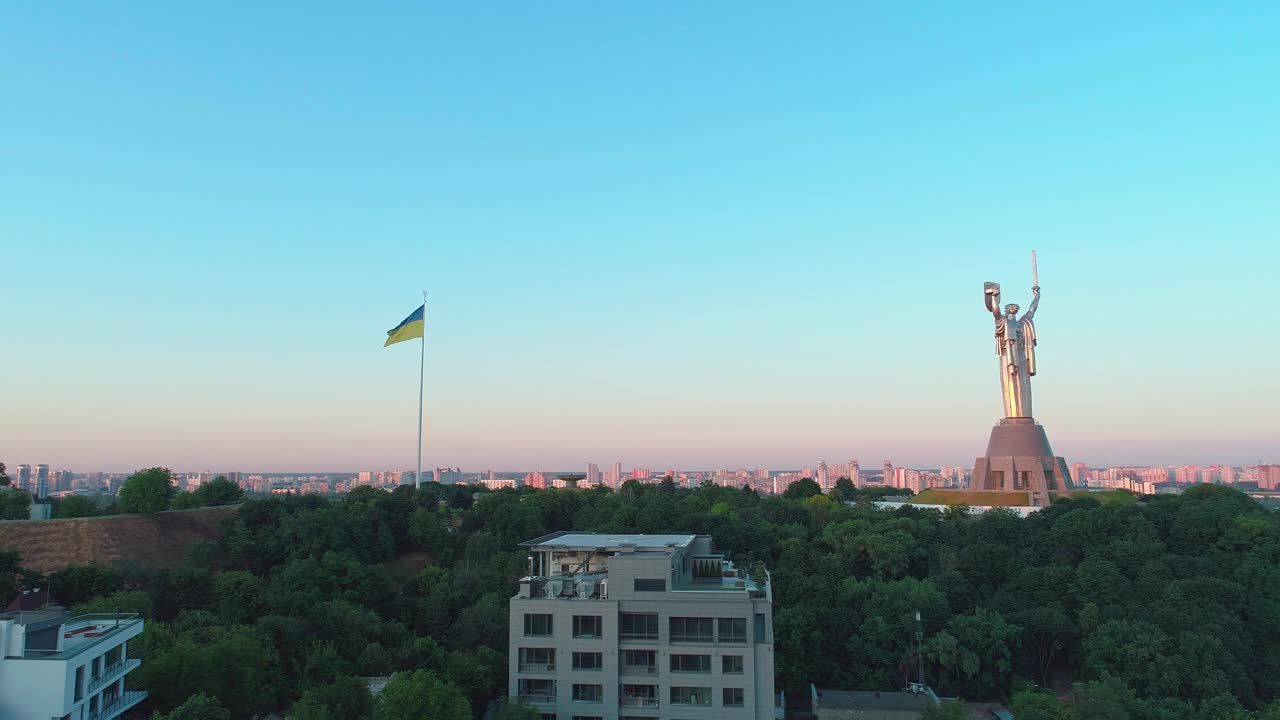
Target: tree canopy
[(1167, 608)]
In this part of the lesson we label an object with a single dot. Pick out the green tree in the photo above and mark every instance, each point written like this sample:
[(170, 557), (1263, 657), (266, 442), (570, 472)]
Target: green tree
[(219, 491), (342, 698), (197, 707), (421, 694), (801, 489), (14, 504), (74, 506), (147, 491), (844, 490), (124, 601), (1031, 705), (516, 710), (75, 584)]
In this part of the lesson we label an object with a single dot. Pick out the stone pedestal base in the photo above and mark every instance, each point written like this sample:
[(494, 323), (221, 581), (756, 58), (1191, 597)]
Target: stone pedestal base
[(1019, 458)]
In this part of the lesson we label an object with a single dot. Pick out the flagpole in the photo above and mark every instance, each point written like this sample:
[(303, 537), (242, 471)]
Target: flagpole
[(422, 371)]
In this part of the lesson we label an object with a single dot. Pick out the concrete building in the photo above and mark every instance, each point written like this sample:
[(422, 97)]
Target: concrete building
[(631, 627), (40, 482), (54, 666), (22, 478)]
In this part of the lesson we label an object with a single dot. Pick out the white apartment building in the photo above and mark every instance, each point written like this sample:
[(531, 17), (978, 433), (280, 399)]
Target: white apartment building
[(60, 668), (640, 627)]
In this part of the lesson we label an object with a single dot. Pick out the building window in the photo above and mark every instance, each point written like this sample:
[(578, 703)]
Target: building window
[(691, 629), (537, 659), (760, 628), (588, 693), (537, 625), (638, 626), (690, 696), (588, 661), (537, 690), (691, 663), (587, 717), (640, 661), (733, 697), (638, 696), (731, 664), (79, 684), (650, 585), (587, 626), (733, 630)]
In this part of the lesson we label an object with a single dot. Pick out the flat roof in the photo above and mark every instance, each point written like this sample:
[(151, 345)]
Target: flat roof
[(568, 540)]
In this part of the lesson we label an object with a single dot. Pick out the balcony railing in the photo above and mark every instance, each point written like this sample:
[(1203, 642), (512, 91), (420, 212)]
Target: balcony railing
[(638, 701), (112, 673), (538, 697), (639, 669), (537, 667), (118, 704)]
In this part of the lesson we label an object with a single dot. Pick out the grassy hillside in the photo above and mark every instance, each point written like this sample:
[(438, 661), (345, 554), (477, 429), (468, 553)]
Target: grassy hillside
[(155, 540)]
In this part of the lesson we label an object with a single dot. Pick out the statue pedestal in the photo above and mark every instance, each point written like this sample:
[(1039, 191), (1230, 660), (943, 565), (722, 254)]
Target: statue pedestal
[(1019, 458)]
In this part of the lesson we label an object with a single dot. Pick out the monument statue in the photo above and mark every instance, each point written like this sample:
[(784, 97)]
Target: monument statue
[(1016, 347), (1018, 455)]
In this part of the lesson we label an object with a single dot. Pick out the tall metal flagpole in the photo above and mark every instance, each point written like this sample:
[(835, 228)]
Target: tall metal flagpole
[(422, 371)]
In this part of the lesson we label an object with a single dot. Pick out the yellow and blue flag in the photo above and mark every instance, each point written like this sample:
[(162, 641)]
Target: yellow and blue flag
[(408, 329)]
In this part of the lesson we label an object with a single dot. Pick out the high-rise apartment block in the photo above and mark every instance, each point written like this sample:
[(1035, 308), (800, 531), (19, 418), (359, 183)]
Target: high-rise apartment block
[(593, 474), (22, 478), (40, 481), (625, 627), (1269, 477)]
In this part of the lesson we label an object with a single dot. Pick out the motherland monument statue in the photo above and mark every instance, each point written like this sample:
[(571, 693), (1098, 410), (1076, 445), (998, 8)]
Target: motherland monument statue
[(1018, 456)]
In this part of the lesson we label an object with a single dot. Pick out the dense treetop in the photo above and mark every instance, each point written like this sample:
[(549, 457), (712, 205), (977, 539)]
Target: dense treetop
[(1168, 608)]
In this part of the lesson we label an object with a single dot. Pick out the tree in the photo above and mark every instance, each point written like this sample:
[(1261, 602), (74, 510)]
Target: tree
[(75, 584), (343, 698), (197, 707), (74, 506), (516, 710), (14, 504), (421, 694), (1031, 705), (147, 491), (802, 488), (844, 490), (125, 601), (219, 491)]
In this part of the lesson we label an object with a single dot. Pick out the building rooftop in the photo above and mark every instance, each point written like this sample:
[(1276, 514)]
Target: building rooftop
[(568, 540), (871, 700), (77, 634)]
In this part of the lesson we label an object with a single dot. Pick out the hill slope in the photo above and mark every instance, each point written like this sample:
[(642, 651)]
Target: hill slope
[(159, 539)]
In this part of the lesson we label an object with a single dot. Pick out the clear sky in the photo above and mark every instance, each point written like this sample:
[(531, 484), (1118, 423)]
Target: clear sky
[(680, 234)]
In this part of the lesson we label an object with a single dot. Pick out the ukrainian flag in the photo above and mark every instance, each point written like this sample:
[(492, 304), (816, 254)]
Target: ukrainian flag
[(408, 329)]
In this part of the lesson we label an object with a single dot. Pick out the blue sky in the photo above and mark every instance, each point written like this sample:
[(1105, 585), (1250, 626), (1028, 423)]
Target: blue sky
[(669, 235)]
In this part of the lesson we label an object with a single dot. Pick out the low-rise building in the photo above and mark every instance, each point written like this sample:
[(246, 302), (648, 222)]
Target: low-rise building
[(640, 627), (66, 668)]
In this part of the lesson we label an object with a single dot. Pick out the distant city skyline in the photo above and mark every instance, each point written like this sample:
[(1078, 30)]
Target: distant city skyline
[(755, 236)]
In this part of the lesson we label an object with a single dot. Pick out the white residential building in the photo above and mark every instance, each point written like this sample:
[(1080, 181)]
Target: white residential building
[(640, 627), (60, 668)]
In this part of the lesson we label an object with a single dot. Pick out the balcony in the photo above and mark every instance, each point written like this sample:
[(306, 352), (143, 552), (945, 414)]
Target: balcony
[(538, 667), (639, 669), (538, 697), (637, 701), (111, 673), (118, 704)]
